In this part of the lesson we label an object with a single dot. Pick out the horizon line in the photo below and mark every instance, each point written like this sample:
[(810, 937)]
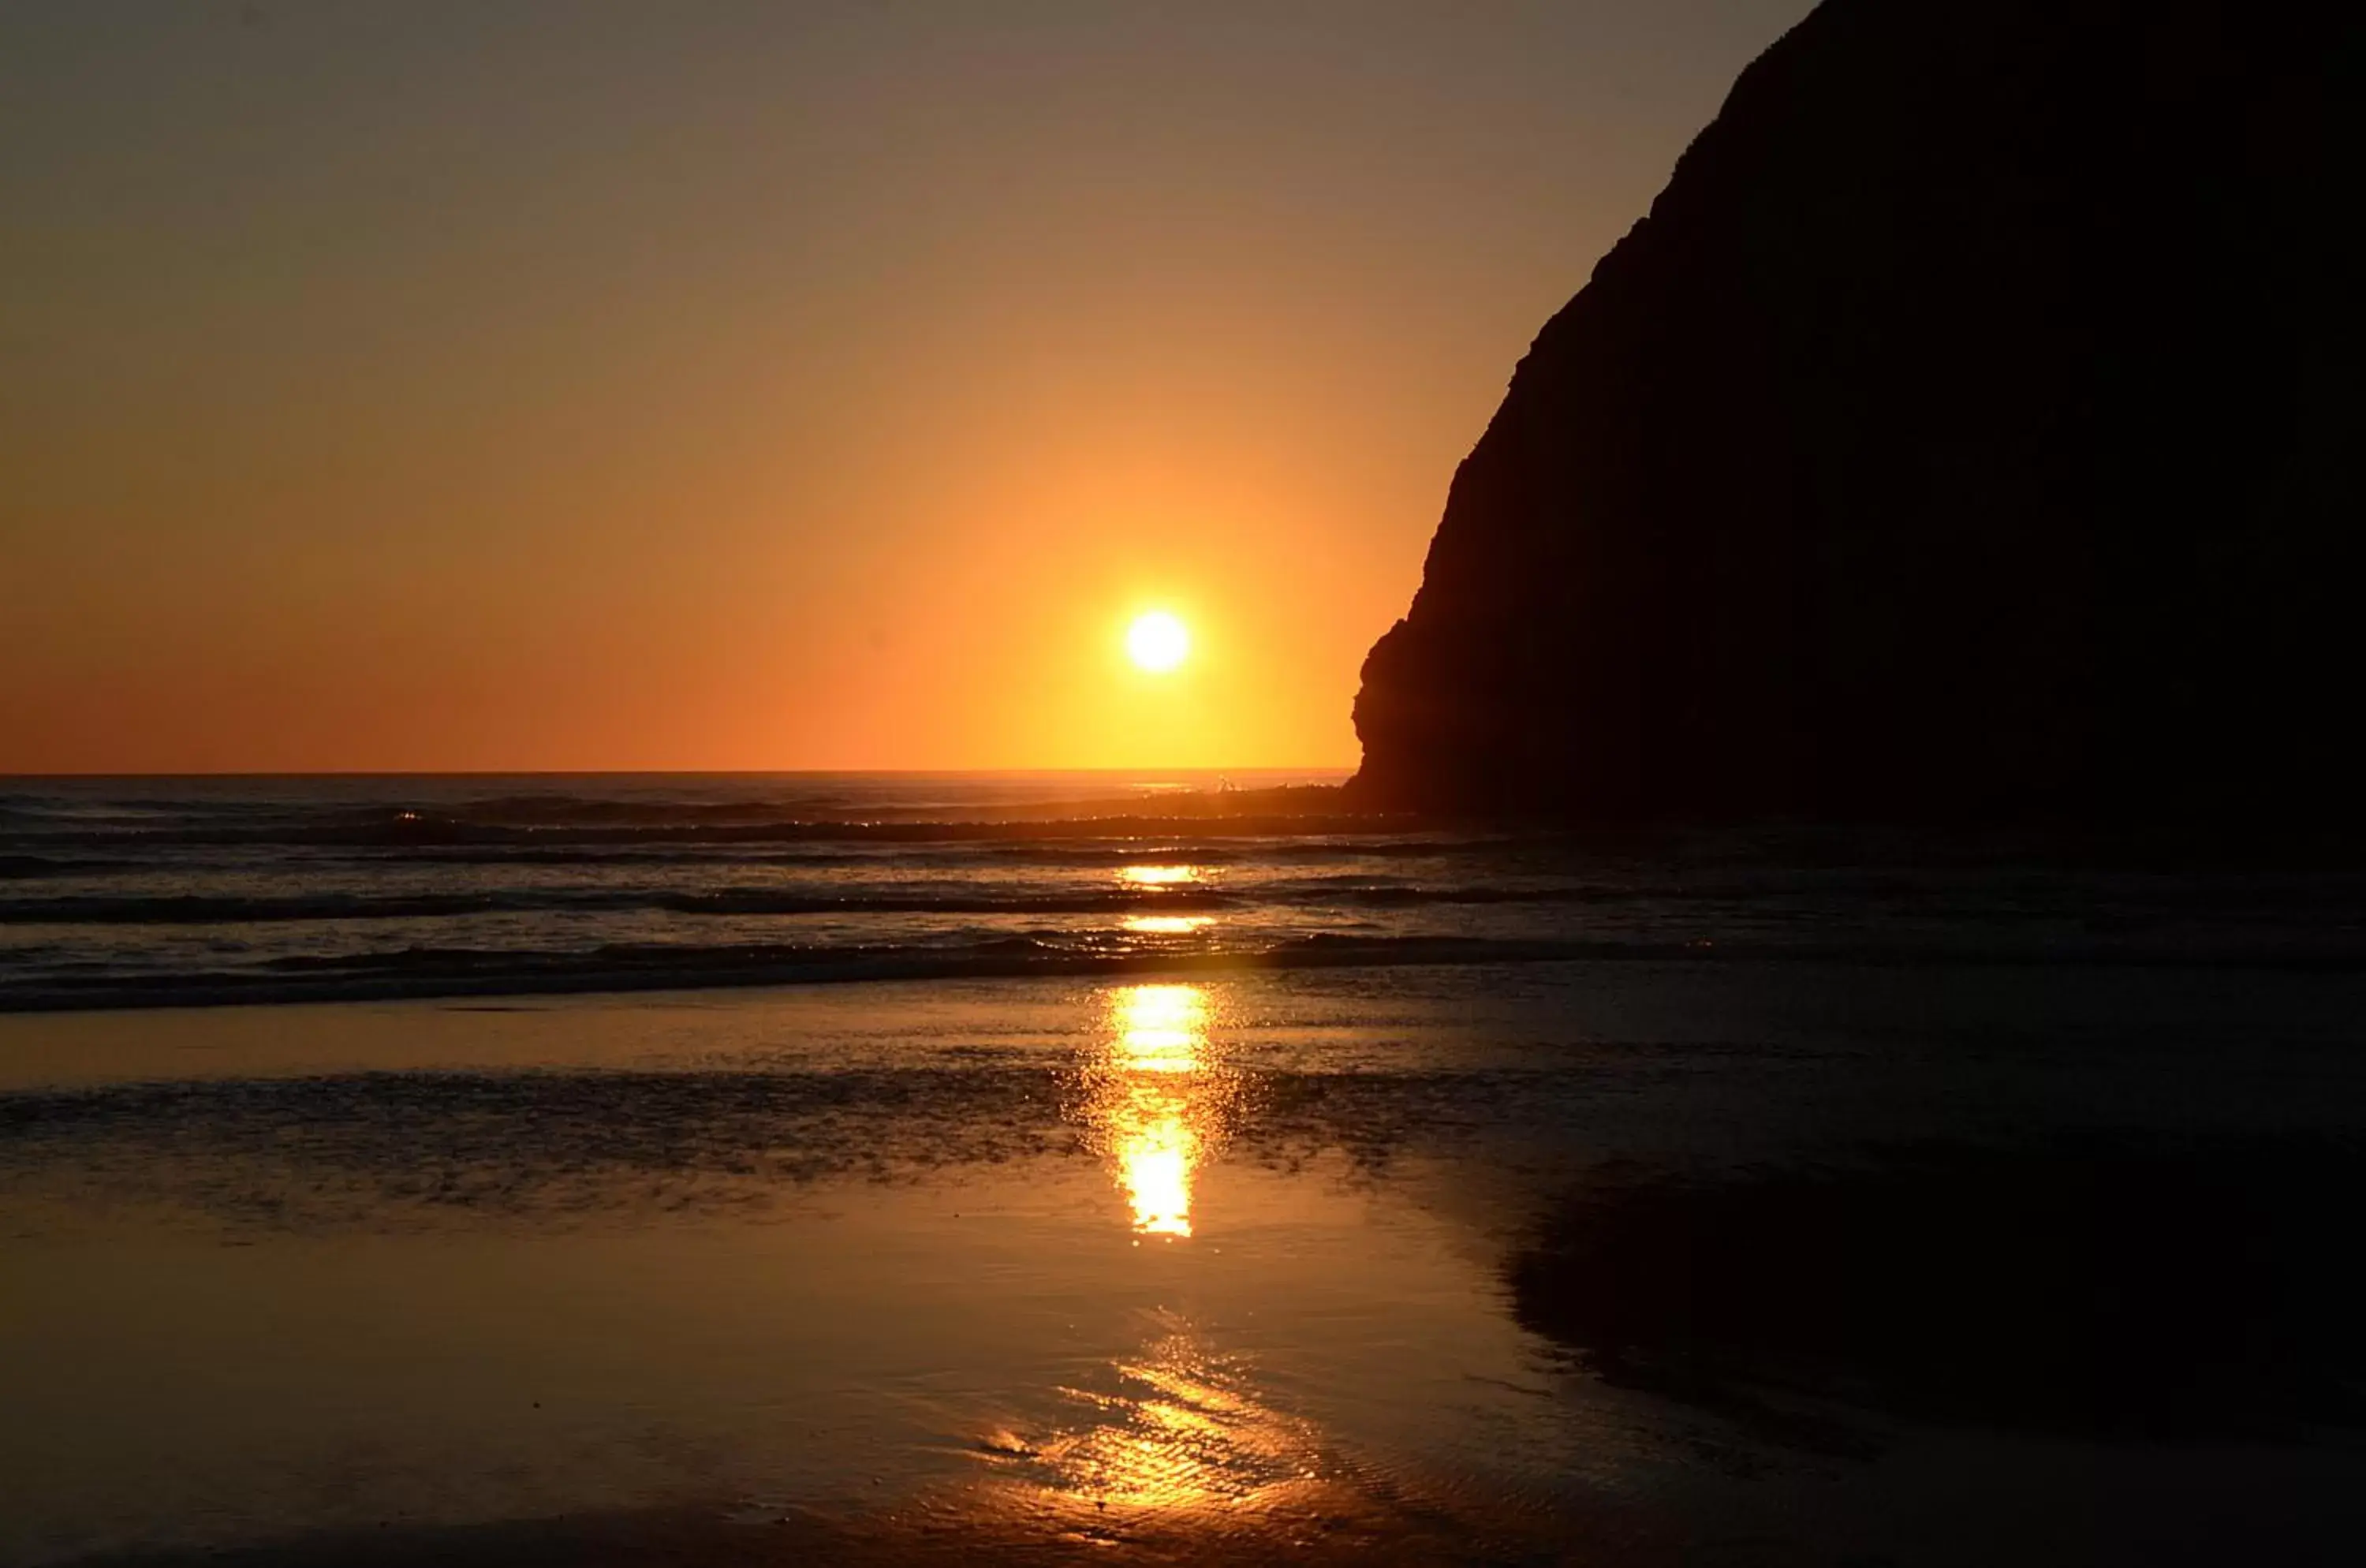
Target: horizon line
[(1206, 769)]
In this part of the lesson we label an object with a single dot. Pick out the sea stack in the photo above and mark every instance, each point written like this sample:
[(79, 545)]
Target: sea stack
[(1971, 430)]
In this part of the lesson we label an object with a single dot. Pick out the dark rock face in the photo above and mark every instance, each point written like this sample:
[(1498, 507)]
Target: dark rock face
[(1971, 430)]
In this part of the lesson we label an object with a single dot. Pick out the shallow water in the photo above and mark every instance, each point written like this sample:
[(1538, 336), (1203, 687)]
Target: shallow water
[(1146, 1269), (783, 1254)]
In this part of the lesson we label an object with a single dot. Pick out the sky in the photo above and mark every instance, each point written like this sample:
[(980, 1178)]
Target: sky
[(727, 385)]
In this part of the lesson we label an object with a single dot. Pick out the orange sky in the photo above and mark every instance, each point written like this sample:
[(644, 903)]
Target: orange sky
[(414, 386)]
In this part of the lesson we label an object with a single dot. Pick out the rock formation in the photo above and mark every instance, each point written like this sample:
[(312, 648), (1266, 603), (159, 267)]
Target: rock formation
[(1968, 432)]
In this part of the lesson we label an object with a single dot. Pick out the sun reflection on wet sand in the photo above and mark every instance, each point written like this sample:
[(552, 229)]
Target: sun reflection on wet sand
[(1162, 1028), (1179, 1431), (1154, 1102), (1175, 1436)]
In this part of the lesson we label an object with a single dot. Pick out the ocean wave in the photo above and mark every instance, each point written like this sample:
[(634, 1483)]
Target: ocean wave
[(421, 972), (26, 867), (1011, 844), (429, 972), (192, 908), (660, 853), (952, 897), (1309, 849)]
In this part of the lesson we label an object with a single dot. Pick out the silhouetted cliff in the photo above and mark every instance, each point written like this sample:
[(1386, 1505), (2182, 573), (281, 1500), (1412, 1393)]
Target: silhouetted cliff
[(1970, 430)]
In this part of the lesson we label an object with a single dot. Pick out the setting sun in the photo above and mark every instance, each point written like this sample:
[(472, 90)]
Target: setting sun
[(1157, 641)]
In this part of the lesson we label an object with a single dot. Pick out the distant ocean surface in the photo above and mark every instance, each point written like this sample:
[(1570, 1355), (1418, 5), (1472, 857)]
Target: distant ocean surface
[(156, 891)]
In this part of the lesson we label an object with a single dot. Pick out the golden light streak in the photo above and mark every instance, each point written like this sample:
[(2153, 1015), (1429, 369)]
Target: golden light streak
[(1155, 1105), (1186, 1433), (1166, 925), (1157, 875), (1176, 1431)]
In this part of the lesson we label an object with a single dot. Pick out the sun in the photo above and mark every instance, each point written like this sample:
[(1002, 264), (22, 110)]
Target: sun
[(1157, 641)]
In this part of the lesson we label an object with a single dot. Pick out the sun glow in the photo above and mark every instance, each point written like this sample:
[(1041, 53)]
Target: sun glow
[(1157, 642)]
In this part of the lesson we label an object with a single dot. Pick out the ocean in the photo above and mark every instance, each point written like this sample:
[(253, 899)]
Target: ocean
[(1155, 1167), (124, 892)]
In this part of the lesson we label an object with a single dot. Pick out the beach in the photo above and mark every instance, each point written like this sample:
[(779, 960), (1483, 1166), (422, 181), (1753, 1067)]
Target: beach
[(1150, 1268)]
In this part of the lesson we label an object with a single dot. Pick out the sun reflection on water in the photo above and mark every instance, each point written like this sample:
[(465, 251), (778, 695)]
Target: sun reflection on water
[(1157, 875), (1166, 925)]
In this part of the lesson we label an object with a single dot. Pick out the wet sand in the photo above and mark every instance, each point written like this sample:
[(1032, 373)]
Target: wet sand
[(1617, 1263)]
